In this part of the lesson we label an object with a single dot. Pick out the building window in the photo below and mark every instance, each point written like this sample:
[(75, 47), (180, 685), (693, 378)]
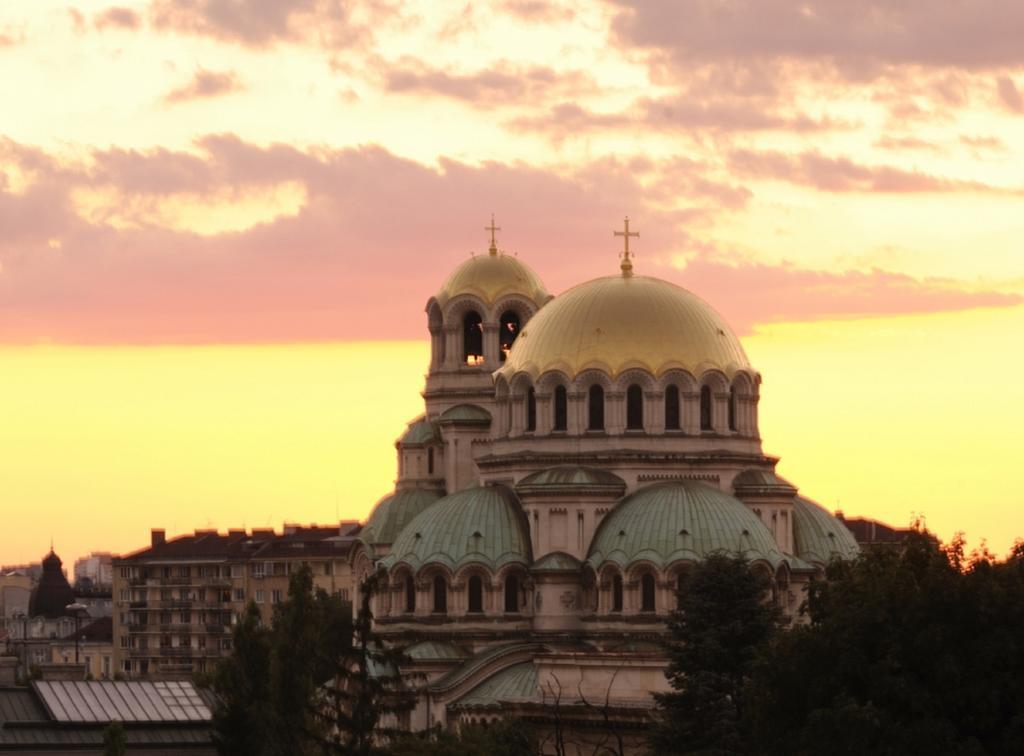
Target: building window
[(275, 596), (732, 408), (259, 595), (257, 569), (472, 339), (672, 419), (647, 593), (634, 408), (440, 595), (476, 594), (561, 419), (512, 594), (507, 332), (430, 460), (239, 594), (410, 595), (680, 583), (705, 408), (595, 407), (617, 593), (531, 409)]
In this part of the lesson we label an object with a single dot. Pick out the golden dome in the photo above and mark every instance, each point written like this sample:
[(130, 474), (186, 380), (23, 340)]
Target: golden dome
[(622, 322), (491, 277)]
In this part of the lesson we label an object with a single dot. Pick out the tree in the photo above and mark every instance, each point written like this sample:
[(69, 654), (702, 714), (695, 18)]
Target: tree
[(360, 707), (917, 651), (504, 738), (304, 685), (725, 615), (115, 743)]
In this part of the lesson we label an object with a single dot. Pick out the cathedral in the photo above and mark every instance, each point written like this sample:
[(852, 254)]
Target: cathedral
[(576, 455)]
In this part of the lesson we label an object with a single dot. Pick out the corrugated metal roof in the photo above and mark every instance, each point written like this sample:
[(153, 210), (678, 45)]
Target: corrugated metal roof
[(681, 520), (104, 701), (483, 524), (19, 705), (819, 536), (516, 683), (83, 735)]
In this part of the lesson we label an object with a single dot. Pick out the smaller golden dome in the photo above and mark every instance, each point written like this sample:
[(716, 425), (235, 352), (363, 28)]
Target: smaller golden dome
[(621, 322), (491, 277)]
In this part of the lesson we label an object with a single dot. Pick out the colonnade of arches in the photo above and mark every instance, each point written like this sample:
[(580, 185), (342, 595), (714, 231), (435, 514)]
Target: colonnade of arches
[(644, 588), (636, 402), (469, 333), (471, 591)]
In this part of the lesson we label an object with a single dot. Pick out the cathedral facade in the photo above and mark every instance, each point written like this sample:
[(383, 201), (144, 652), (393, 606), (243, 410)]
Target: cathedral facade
[(577, 454)]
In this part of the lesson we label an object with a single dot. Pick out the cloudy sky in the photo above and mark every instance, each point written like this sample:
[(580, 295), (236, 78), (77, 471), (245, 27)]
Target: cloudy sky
[(194, 190)]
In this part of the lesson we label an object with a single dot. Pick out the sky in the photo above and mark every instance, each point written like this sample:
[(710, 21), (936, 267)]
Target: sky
[(220, 221)]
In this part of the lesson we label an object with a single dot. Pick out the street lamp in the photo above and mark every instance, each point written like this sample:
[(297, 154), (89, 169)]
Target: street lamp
[(76, 609)]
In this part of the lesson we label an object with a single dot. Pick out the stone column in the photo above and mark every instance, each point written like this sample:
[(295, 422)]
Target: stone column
[(453, 346), (615, 412), (491, 346), (690, 411), (654, 412)]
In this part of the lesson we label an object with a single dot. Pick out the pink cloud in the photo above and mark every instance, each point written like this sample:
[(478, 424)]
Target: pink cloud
[(840, 174), (1009, 95), (117, 18), (377, 236), (501, 84), (751, 293), (204, 85), (261, 23), (860, 38)]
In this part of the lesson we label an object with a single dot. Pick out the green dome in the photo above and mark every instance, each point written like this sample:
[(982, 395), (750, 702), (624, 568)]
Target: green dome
[(420, 433), (394, 512), (483, 524), (680, 520), (517, 683), (820, 537), (571, 479)]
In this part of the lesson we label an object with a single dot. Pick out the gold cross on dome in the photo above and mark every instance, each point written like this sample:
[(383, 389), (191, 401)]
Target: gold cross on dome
[(627, 264), (492, 228)]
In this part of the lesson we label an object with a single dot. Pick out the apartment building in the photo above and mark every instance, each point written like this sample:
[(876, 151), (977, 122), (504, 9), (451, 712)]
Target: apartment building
[(175, 602)]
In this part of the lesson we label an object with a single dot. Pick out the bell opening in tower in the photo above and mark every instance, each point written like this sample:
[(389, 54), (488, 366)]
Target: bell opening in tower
[(507, 332), (472, 338)]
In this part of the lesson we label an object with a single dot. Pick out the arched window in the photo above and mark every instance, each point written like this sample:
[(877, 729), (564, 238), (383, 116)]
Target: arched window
[(430, 460), (440, 595), (410, 595), (647, 593), (531, 409), (511, 595), (634, 408), (617, 593), (672, 408), (561, 410), (680, 584), (507, 331), (595, 407), (476, 594), (732, 408), (705, 408), (472, 338)]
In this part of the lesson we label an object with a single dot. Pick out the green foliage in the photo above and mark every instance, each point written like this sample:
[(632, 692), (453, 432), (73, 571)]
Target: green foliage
[(313, 682), (115, 743), (505, 738), (724, 616), (918, 651)]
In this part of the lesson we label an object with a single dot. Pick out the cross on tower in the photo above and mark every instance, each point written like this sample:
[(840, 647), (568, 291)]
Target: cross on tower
[(627, 264), (492, 228)]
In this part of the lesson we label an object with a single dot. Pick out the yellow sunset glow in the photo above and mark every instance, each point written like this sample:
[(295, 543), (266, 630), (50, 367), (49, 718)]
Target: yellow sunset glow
[(220, 222)]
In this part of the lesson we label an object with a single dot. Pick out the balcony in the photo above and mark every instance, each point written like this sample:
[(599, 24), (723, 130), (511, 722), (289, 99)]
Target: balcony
[(216, 629), (137, 604), (177, 580), (177, 651)]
